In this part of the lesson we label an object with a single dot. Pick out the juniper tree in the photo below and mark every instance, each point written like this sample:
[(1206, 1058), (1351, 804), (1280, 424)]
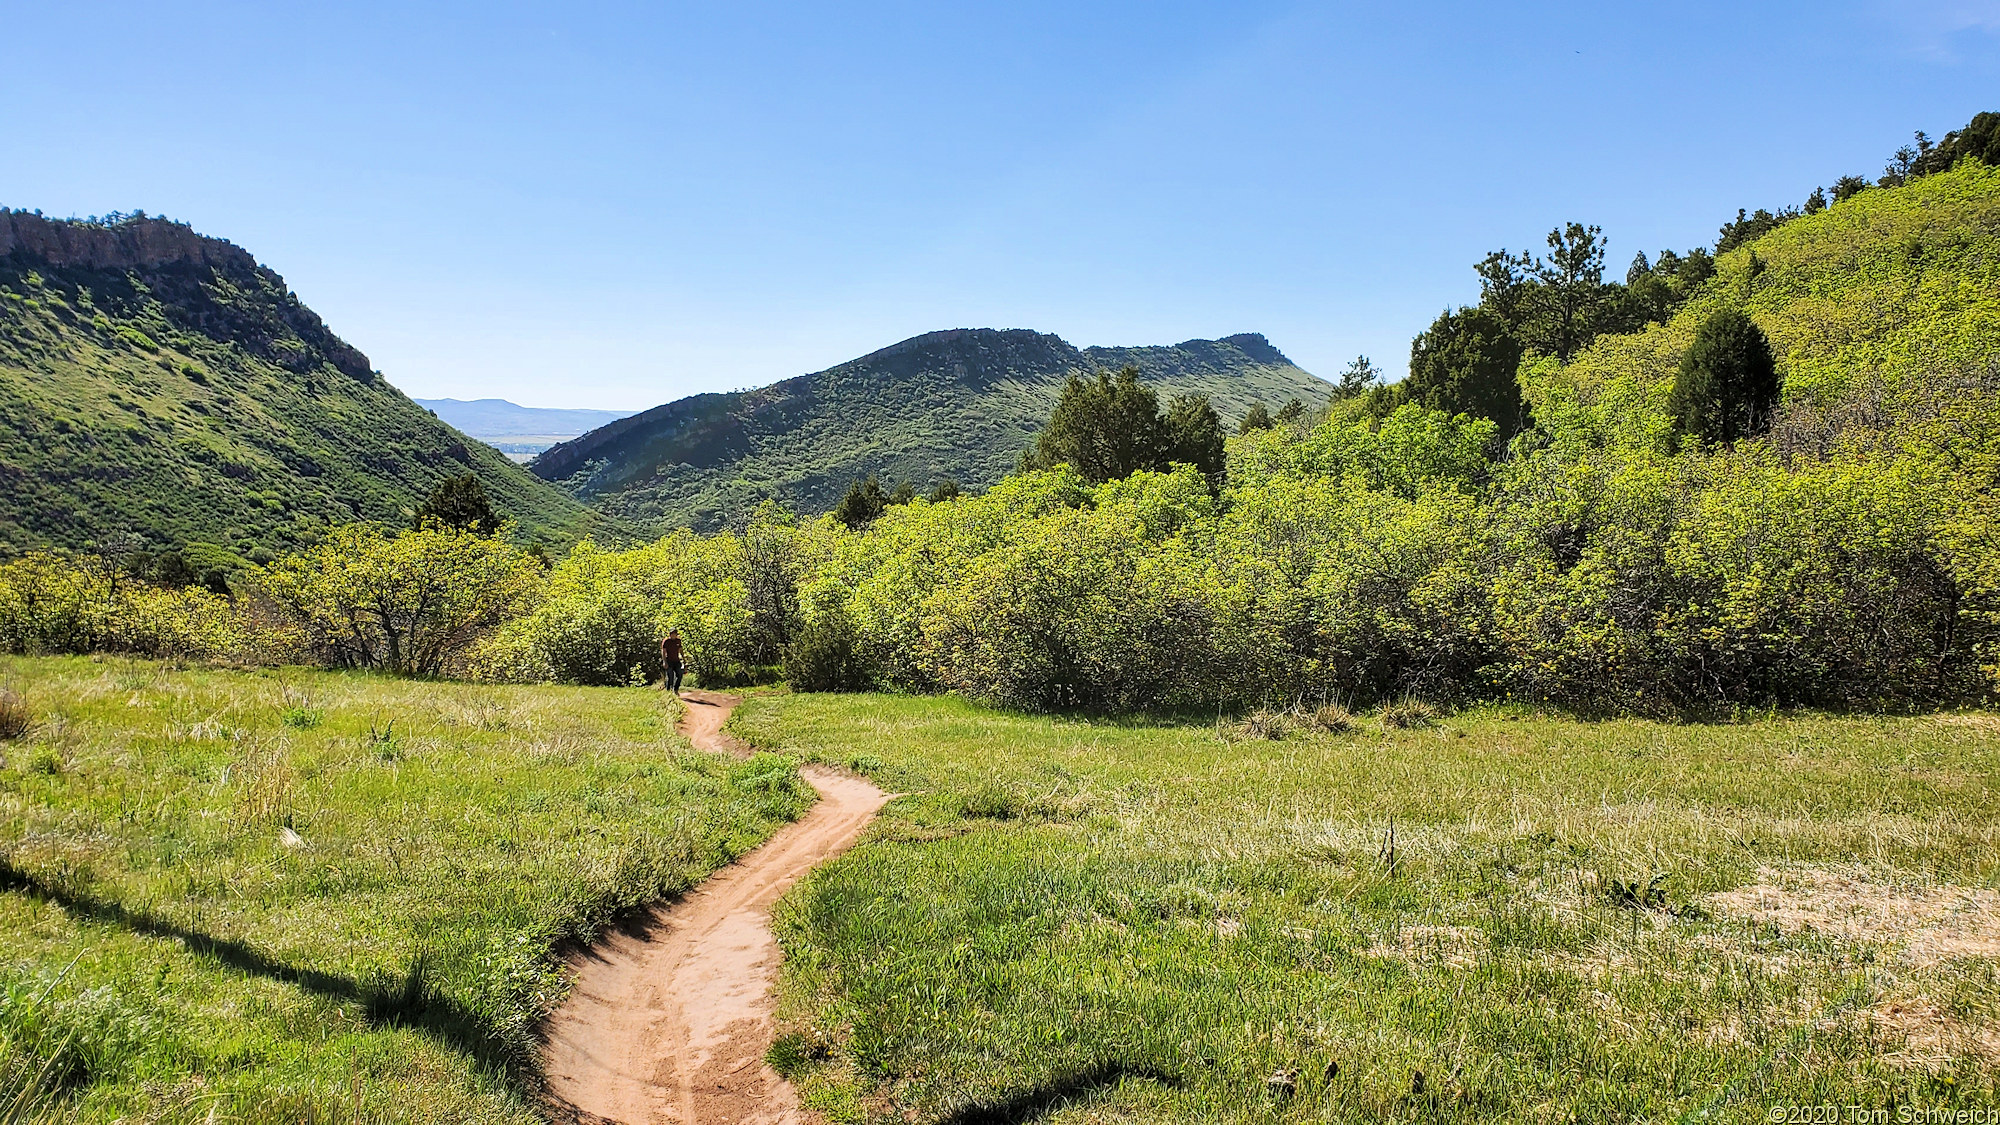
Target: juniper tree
[(1726, 388)]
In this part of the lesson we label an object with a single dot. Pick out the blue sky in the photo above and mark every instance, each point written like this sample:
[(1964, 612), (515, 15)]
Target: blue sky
[(599, 205)]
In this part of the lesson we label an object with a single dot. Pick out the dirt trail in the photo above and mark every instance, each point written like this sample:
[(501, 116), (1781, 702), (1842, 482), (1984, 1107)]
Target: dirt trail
[(670, 1017)]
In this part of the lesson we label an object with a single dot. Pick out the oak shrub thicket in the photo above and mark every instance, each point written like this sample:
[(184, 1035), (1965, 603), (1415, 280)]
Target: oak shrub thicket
[(1844, 550)]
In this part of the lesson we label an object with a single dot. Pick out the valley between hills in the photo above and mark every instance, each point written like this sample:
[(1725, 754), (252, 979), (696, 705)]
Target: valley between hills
[(1596, 725)]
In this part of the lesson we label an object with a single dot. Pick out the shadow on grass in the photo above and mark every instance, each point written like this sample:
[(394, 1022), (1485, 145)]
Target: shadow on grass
[(1030, 1104), (406, 1001)]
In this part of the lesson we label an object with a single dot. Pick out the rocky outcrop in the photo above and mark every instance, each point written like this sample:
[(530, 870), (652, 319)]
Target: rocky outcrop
[(137, 243), (179, 267)]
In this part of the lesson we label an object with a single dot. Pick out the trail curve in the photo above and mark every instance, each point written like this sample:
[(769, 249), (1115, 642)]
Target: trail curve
[(669, 1017)]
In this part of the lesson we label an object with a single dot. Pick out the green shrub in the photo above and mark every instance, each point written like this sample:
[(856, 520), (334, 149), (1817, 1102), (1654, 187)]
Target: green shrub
[(825, 652), (596, 637), (51, 604), (177, 624), (416, 602)]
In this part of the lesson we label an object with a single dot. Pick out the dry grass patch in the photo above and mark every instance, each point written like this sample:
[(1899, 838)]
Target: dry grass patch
[(15, 715), (1921, 925), (1926, 1037), (1977, 722), (1456, 947)]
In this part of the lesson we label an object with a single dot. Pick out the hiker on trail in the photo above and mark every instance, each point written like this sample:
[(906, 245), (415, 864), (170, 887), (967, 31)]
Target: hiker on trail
[(670, 658)]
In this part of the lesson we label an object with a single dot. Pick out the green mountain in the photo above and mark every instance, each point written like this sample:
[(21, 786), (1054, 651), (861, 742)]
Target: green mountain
[(160, 384), (958, 405)]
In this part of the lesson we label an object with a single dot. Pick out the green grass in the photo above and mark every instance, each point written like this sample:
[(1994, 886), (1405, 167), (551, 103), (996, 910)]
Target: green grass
[(294, 896), (291, 896), (1107, 921)]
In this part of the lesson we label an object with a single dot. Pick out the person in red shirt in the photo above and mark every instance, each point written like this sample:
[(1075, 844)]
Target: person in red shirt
[(670, 658)]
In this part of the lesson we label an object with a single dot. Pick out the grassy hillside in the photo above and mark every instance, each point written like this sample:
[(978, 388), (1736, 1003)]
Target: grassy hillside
[(160, 384), (1508, 917), (303, 897), (958, 405), (1893, 294)]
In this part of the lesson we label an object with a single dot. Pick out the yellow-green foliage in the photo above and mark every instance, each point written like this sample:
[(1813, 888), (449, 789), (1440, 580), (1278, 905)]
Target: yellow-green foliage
[(413, 602), (52, 603), (1901, 286), (1354, 564), (604, 611)]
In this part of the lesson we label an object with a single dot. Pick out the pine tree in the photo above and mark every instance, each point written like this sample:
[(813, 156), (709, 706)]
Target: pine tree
[(1464, 364), (864, 503), (1106, 427)]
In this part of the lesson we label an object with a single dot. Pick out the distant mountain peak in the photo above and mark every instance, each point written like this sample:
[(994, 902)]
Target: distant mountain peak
[(958, 404), (972, 352)]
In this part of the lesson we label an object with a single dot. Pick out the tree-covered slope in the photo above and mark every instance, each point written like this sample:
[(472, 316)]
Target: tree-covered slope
[(958, 405), (161, 385), (1891, 294)]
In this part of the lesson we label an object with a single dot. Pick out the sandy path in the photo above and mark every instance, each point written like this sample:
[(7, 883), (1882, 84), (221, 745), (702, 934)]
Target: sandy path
[(670, 1017)]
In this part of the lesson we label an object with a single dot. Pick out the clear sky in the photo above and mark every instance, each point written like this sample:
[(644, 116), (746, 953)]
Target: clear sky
[(600, 205)]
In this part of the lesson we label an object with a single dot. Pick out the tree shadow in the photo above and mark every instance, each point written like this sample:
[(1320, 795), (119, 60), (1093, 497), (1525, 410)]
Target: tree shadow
[(408, 1000), (1039, 1100)]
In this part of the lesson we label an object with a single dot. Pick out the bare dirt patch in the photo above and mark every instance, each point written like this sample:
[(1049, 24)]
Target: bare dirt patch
[(670, 1017), (1920, 925), (703, 713)]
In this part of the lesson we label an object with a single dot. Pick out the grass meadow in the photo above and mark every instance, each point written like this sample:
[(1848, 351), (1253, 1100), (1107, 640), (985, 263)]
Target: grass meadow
[(281, 895), (1498, 917), (291, 896)]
